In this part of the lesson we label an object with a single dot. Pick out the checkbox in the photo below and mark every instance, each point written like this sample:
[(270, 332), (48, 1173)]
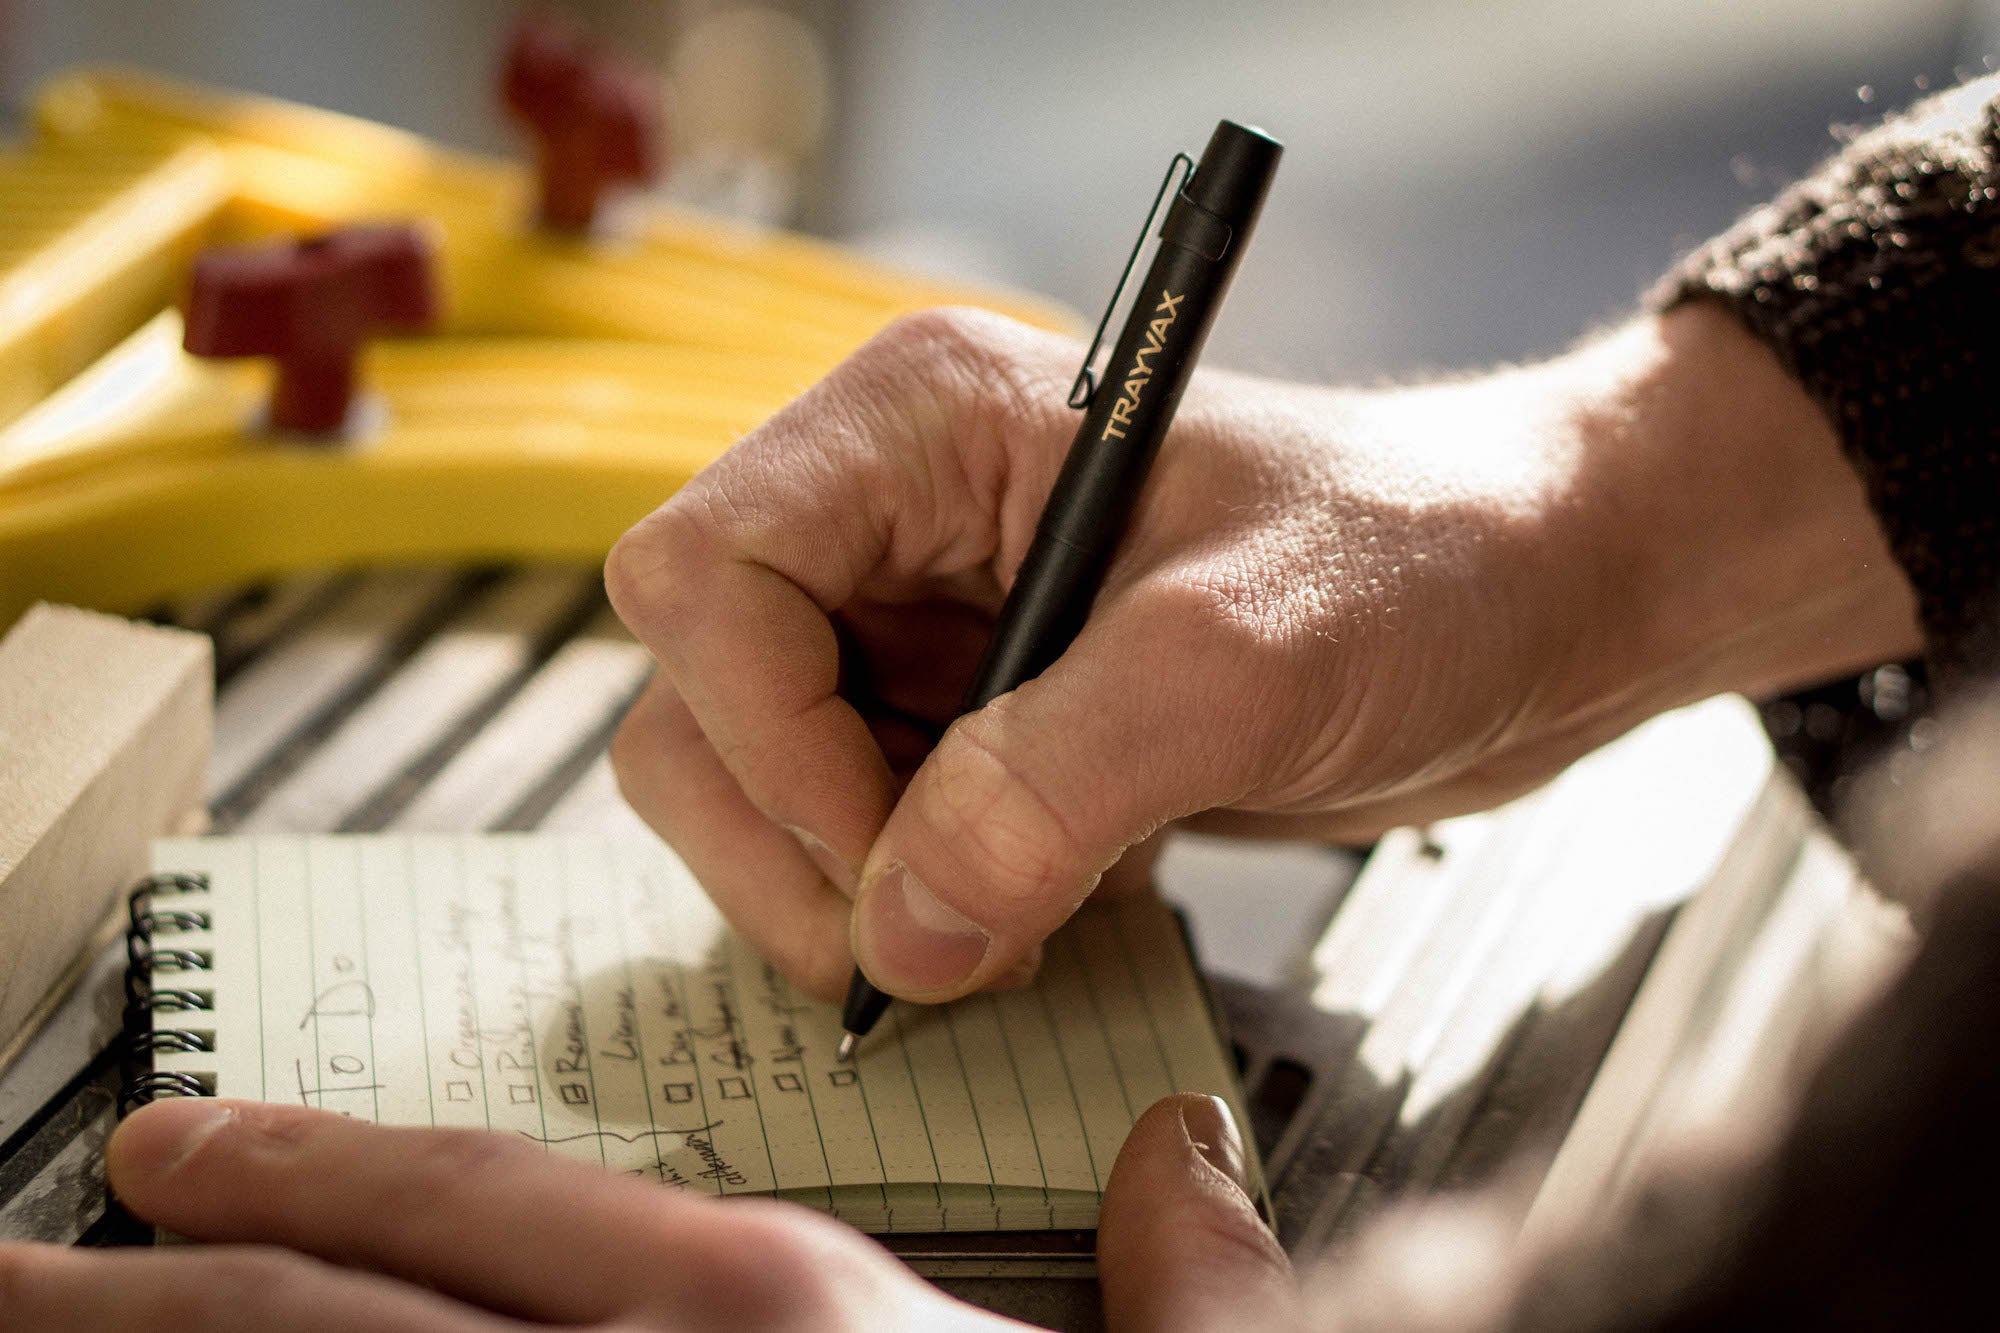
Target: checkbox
[(840, 1078), (678, 1092), (574, 1094), (520, 1093), (735, 1089), (787, 1083), (458, 1090)]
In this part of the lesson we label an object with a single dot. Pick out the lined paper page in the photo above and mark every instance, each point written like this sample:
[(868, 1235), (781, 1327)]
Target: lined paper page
[(584, 994)]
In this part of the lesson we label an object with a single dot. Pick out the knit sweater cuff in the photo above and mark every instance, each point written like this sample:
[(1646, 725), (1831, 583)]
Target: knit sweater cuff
[(1877, 282)]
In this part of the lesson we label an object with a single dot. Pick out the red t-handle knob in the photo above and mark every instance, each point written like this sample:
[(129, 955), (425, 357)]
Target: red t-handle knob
[(309, 305), (595, 121)]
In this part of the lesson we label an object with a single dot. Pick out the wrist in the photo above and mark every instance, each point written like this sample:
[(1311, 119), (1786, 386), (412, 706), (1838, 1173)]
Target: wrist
[(1727, 543)]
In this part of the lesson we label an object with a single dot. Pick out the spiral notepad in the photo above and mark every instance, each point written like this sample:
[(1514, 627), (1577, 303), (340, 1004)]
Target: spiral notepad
[(582, 993)]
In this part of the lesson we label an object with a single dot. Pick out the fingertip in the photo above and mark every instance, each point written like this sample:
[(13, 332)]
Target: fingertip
[(1179, 1240), (911, 944), (1022, 974), (829, 862), (1212, 1133), (632, 567), (155, 1141), (1188, 1134), (822, 971)]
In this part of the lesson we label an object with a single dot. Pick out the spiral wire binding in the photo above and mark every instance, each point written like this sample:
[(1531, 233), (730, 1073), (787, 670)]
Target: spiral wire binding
[(143, 999)]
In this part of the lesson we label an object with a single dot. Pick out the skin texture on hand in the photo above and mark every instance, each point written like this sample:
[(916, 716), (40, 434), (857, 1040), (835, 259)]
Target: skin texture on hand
[(319, 1222), (1335, 612)]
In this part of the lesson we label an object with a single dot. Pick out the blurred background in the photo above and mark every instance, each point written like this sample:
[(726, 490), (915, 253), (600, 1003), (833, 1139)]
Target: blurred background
[(1467, 180)]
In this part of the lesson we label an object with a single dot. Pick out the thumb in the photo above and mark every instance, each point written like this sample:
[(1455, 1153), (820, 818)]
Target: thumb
[(1179, 1245), (1010, 821)]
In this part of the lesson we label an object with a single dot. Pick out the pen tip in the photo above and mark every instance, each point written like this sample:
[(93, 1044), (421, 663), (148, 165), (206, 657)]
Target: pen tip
[(847, 1043)]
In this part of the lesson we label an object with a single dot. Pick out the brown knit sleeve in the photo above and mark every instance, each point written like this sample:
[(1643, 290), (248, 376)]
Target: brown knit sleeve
[(1877, 281)]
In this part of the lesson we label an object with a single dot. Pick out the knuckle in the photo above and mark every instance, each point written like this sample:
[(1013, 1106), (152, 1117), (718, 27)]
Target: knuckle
[(1230, 605), (450, 1156), (919, 382), (937, 410), (443, 1161), (980, 366), (627, 749), (769, 1247), (238, 1280), (959, 332), (651, 548), (988, 803), (623, 580), (775, 1263), (449, 1164)]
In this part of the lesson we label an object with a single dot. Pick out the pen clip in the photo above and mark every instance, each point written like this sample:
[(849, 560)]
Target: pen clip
[(1085, 387)]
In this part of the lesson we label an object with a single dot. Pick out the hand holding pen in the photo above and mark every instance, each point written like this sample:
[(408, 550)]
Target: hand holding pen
[(1333, 612), (1202, 239), (826, 598)]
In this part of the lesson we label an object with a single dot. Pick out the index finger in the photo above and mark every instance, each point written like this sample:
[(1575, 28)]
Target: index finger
[(730, 583), (482, 1216)]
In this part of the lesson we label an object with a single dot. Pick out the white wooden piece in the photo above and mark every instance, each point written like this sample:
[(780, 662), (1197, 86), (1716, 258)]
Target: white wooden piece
[(296, 681), (577, 693), (104, 732), (460, 668)]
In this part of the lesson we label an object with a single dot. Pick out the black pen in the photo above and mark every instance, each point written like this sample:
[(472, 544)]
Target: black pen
[(1201, 242)]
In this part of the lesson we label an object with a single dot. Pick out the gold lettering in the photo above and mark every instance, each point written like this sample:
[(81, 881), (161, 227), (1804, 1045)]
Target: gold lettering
[(1153, 344), (1142, 374)]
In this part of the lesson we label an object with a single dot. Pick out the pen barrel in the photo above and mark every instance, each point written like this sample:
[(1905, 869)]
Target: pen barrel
[(1201, 242)]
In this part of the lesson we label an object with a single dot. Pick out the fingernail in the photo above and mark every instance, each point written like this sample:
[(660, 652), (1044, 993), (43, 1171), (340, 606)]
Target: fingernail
[(910, 943), (837, 871), (1211, 1129), (159, 1138)]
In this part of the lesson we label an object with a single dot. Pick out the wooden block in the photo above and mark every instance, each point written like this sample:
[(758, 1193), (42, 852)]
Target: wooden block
[(104, 732)]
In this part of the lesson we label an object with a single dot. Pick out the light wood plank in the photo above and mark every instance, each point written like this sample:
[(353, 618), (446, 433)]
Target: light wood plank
[(484, 647), (302, 677), (576, 695), (105, 727)]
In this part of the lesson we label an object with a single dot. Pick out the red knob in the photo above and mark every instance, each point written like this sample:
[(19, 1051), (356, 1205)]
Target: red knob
[(309, 305), (595, 120)]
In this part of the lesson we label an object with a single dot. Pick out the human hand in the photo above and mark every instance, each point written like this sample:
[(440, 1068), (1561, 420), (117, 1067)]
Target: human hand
[(1335, 612), (327, 1223)]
